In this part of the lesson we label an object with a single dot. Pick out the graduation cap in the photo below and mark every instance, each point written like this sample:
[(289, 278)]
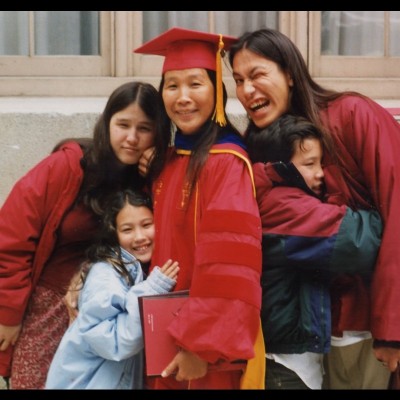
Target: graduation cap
[(185, 48)]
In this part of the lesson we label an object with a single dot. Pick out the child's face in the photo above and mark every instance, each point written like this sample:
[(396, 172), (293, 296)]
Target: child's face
[(131, 133), (135, 230), (307, 159)]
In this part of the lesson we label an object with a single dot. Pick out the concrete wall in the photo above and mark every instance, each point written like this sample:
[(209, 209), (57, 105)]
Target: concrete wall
[(30, 127)]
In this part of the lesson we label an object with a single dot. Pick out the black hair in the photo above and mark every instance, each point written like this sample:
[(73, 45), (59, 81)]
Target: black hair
[(308, 98), (103, 172), (106, 246), (277, 142)]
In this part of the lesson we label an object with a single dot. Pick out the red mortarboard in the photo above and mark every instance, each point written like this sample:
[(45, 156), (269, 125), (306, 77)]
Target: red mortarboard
[(184, 48)]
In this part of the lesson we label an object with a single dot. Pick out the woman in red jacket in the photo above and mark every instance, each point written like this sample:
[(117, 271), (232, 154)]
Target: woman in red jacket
[(50, 218), (206, 217), (272, 79)]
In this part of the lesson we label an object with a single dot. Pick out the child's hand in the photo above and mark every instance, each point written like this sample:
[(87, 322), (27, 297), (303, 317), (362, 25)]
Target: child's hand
[(171, 269)]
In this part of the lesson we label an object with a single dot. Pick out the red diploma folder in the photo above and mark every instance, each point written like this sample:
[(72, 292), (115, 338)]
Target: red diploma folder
[(157, 312)]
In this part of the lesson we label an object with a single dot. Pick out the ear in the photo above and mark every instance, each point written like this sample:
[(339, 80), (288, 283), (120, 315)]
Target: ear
[(289, 80)]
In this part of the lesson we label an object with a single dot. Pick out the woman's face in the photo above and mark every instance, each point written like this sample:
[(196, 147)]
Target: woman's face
[(135, 230), (131, 132), (261, 86), (188, 97)]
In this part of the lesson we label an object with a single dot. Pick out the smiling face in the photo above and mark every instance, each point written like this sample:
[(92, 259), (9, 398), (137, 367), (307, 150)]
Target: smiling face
[(261, 86), (131, 132), (135, 231), (188, 97), (307, 159)]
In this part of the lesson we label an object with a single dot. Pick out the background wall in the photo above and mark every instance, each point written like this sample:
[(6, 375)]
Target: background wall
[(29, 129)]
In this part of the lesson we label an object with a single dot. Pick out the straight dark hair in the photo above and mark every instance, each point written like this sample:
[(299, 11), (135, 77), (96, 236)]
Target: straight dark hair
[(103, 172), (308, 97)]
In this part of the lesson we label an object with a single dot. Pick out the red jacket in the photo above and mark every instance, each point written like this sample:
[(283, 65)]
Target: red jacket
[(367, 138), (29, 219), (216, 237)]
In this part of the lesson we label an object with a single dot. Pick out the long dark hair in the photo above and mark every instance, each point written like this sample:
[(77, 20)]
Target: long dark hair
[(106, 246), (308, 97), (211, 132), (103, 172)]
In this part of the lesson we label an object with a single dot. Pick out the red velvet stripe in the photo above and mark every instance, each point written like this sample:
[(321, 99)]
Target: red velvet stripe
[(229, 253), (231, 221), (229, 287)]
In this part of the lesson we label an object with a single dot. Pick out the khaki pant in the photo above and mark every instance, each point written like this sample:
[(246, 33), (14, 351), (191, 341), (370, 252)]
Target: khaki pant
[(354, 367)]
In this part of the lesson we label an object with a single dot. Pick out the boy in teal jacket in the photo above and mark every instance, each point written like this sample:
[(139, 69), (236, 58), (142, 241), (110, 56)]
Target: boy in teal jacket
[(308, 240)]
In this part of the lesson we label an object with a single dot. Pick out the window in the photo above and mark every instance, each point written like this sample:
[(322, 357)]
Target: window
[(49, 33), (227, 22), (54, 43), (357, 50), (360, 33)]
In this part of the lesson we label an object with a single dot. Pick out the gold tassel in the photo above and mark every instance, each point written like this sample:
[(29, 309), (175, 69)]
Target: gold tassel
[(219, 114)]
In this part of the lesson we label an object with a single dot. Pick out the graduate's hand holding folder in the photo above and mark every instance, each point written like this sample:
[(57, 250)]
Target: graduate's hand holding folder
[(157, 312)]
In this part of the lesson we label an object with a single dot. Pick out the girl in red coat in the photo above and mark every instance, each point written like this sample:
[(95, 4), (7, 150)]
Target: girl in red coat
[(50, 218)]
